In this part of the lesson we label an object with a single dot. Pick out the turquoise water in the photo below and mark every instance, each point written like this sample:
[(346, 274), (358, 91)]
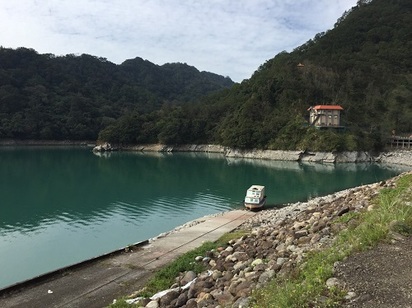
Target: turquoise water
[(60, 206)]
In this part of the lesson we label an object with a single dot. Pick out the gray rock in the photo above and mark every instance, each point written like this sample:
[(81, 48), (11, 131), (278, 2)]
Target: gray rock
[(301, 233), (153, 304), (259, 267), (334, 282), (212, 263), (240, 266), (241, 302), (216, 275), (240, 256), (234, 284), (189, 276), (266, 276), (281, 261), (182, 299), (205, 300), (229, 249), (223, 298), (166, 299), (256, 262), (244, 288), (350, 296)]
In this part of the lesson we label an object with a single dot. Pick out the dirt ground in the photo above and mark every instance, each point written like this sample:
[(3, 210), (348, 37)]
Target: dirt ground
[(381, 277)]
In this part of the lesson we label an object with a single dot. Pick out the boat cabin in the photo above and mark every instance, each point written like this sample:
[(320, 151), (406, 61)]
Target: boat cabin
[(255, 197)]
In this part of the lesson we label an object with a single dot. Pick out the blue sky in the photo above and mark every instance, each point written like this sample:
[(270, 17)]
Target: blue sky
[(228, 37)]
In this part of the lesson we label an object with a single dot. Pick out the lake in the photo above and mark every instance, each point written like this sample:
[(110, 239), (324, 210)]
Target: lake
[(60, 206)]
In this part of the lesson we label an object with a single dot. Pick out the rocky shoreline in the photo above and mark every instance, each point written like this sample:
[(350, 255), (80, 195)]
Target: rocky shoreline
[(13, 142), (399, 157), (403, 157), (275, 243), (395, 157)]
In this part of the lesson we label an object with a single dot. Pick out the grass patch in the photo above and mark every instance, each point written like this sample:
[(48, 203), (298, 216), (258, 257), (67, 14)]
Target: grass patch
[(347, 217), (392, 212)]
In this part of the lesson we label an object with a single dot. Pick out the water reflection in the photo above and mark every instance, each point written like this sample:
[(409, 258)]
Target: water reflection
[(59, 185)]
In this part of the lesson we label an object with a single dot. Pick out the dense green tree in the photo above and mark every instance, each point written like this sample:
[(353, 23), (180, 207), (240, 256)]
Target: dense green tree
[(43, 96)]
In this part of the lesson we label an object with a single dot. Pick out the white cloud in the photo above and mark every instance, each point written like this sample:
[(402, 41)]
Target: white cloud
[(228, 37)]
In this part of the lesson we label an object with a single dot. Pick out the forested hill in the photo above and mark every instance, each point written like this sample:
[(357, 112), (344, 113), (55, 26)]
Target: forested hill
[(48, 97), (363, 64)]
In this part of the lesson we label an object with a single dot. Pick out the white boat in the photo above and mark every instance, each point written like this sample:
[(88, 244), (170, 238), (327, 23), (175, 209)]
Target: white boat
[(255, 197)]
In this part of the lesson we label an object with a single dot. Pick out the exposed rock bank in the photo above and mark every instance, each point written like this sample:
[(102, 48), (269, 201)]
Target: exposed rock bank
[(105, 147), (276, 242), (13, 142), (393, 157)]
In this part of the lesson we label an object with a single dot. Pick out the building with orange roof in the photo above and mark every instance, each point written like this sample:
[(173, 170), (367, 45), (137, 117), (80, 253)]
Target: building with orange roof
[(325, 116)]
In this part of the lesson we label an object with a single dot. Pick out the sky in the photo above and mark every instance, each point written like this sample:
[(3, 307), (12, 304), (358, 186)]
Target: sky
[(227, 37)]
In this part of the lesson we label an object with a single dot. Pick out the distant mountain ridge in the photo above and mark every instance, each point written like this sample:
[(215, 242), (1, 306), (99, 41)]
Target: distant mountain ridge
[(43, 96)]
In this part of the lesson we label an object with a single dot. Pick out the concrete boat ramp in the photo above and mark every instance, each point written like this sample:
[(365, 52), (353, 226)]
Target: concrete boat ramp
[(97, 282)]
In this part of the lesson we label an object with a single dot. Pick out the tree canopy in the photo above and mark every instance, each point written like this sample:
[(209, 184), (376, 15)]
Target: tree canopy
[(43, 96)]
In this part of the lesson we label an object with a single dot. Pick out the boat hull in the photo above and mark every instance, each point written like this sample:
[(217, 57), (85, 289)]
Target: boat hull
[(254, 206)]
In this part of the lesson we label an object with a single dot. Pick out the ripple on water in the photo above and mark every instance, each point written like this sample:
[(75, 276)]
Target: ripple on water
[(214, 201)]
